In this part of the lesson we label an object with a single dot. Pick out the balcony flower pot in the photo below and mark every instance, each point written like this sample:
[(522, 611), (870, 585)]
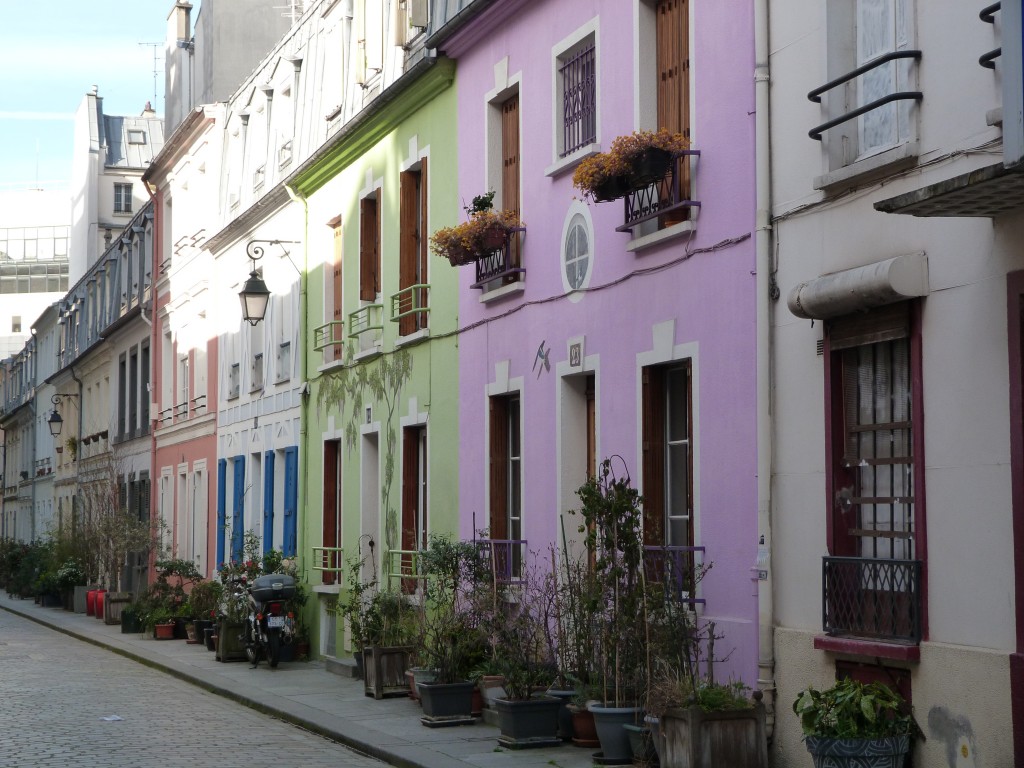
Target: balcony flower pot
[(855, 725), (632, 161), (484, 232), (447, 703), (649, 166), (528, 723)]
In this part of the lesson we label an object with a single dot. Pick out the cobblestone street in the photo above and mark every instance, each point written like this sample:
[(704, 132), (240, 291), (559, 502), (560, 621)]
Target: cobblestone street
[(55, 690)]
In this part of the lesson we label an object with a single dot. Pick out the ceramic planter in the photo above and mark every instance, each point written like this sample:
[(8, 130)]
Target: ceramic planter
[(693, 738), (564, 717), (528, 723), (584, 733), (858, 753), (611, 734)]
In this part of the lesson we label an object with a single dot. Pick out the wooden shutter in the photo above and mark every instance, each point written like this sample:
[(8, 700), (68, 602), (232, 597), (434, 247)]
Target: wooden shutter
[(369, 248), (408, 250), (336, 284), (510, 167), (423, 237), (238, 507), (291, 501), (653, 426), (410, 479), (673, 88), (499, 468), (222, 509), (329, 530)]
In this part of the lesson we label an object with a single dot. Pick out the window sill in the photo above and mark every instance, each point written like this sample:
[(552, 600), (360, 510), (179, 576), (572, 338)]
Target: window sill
[(856, 646), (366, 354), (511, 289), (570, 162), (869, 169), (327, 589), (330, 366), (413, 338), (642, 243)]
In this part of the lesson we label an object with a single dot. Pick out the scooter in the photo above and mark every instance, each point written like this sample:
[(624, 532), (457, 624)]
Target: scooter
[(269, 624)]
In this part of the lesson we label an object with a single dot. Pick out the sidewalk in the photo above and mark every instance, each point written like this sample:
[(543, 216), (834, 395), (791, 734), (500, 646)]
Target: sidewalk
[(305, 694)]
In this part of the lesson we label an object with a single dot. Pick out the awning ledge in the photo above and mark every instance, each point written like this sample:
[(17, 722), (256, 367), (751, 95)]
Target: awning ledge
[(861, 288)]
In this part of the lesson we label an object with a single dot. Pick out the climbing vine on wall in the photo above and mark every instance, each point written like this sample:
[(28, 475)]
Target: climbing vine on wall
[(347, 390)]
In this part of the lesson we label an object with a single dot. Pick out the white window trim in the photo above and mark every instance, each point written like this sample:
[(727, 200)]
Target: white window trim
[(505, 86), (577, 208), (503, 385)]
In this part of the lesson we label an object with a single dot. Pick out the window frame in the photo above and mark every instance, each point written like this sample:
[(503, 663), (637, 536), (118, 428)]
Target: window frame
[(563, 51), (123, 197), (370, 246)]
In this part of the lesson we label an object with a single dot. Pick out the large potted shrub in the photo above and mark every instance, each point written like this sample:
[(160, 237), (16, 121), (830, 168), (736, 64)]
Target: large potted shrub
[(452, 642), (612, 527), (867, 725), (386, 632)]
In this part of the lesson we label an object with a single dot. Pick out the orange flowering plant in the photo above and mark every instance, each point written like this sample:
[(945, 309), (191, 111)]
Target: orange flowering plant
[(483, 232), (612, 174)]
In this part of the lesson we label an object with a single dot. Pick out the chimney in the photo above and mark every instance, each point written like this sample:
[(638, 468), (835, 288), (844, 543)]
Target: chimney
[(147, 111), (178, 22)]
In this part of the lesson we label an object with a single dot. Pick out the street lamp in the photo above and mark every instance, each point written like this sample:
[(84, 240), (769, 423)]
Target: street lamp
[(55, 422), (254, 294)]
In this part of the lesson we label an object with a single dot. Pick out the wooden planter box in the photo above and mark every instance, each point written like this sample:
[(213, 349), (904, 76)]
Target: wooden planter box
[(113, 604), (693, 738), (384, 671), (229, 644)]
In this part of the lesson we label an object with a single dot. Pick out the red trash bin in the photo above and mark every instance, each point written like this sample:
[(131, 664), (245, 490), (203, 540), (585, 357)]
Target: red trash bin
[(99, 603), (90, 602)]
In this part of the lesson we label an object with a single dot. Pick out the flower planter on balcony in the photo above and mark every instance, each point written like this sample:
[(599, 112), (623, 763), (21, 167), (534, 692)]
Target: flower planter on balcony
[(649, 166)]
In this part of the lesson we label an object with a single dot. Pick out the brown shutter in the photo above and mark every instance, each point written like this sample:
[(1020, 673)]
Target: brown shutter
[(499, 468), (336, 289), (673, 88), (653, 426), (510, 166), (408, 255), (330, 501), (423, 235), (376, 243), (367, 248)]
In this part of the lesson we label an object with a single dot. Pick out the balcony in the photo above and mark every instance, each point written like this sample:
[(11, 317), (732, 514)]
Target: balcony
[(678, 569), (404, 565), (872, 598), (327, 337), (505, 557), (410, 307), (665, 196), (330, 561), (366, 327), (501, 265)]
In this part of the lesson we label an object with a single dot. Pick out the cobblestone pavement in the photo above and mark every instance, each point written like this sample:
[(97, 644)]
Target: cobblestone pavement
[(55, 690)]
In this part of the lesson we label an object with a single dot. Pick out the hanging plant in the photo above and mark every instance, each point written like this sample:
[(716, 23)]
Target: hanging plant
[(633, 161), (485, 231)]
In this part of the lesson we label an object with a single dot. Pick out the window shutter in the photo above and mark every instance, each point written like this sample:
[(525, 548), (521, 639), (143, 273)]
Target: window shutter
[(510, 166), (673, 88), (499, 468), (885, 323), (268, 501), (291, 488), (653, 426), (423, 235), (408, 256), (329, 530), (369, 234), (238, 507), (336, 283)]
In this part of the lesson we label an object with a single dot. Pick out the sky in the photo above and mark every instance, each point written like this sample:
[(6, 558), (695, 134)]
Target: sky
[(52, 52)]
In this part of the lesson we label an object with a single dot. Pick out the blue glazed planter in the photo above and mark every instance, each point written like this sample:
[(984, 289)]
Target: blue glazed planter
[(858, 753)]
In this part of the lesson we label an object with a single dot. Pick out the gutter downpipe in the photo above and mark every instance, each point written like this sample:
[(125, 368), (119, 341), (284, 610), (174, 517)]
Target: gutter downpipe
[(762, 249), (297, 197)]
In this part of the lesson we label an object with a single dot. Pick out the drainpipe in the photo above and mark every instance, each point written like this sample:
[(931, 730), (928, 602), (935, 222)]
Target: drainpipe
[(763, 245), (303, 367)]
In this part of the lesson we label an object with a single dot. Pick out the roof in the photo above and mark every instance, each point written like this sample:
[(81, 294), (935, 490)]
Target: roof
[(132, 142)]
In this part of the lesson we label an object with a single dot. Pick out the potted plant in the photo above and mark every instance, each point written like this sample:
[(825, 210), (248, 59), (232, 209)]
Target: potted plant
[(385, 633), (867, 725), (204, 599), (484, 231), (612, 527), (453, 643), (632, 162)]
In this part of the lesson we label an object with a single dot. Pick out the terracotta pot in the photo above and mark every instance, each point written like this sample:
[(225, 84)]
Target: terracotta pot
[(163, 631), (584, 732)]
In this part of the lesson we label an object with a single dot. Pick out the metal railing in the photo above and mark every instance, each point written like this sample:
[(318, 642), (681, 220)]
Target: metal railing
[(328, 560), (579, 102), (815, 95), (404, 564), (364, 319), (497, 265), (328, 334), (505, 557), (873, 598), (676, 568), (410, 302), (662, 196)]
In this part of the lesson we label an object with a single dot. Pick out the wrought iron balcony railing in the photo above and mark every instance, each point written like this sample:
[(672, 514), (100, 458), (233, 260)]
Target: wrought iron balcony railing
[(676, 568), (663, 196), (872, 598), (502, 263), (505, 557)]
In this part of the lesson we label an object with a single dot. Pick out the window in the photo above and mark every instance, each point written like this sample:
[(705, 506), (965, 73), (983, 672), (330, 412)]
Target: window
[(667, 455), (122, 396), (133, 393), (369, 247), (412, 270), (136, 136), (331, 526), (576, 96), (872, 578), (414, 496), (122, 198), (510, 170), (859, 33), (506, 520), (16, 324), (234, 380), (335, 299), (144, 389), (576, 251)]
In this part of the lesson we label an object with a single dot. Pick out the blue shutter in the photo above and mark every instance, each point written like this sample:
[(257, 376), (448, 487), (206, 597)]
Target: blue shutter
[(291, 500), (268, 501), (237, 519), (222, 508)]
